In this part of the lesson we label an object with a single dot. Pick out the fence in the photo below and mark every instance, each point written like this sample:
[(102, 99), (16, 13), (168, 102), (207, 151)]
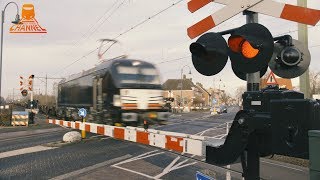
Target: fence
[(5, 115)]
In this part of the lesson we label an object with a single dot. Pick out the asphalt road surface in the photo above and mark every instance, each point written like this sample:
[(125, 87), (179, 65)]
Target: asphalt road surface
[(34, 153)]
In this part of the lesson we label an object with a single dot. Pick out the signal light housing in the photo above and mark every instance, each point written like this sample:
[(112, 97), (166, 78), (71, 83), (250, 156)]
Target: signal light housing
[(209, 54), (243, 76), (251, 48), (290, 59), (24, 92)]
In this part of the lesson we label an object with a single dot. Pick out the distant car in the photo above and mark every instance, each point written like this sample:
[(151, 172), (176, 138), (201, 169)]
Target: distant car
[(223, 109), (219, 109)]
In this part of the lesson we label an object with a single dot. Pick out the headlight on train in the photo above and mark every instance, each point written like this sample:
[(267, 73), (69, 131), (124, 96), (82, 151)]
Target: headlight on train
[(116, 100), (152, 115)]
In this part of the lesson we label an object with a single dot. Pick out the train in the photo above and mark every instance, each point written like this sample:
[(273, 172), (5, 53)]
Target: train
[(119, 91)]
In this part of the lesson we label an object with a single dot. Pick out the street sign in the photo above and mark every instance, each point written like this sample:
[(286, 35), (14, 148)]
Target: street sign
[(82, 112), (271, 80), (268, 7), (200, 176), (214, 101)]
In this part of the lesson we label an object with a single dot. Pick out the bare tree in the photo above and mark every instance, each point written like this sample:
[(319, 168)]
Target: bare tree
[(314, 82), (240, 90), (225, 98)]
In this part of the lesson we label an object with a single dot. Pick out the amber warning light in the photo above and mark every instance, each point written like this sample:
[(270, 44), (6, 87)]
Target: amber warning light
[(240, 45)]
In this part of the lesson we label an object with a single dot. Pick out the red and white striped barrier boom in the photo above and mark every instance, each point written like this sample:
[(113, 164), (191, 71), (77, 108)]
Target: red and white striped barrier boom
[(183, 143), (268, 7)]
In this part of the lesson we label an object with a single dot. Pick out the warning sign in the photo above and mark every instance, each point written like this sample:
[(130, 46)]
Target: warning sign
[(271, 79)]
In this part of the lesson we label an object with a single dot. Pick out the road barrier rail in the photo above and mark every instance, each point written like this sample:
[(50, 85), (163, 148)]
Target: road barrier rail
[(179, 142)]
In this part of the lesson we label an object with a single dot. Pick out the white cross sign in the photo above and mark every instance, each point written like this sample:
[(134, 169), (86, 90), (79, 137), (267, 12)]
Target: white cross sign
[(268, 7)]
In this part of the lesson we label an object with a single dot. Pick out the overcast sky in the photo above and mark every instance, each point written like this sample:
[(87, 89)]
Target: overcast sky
[(70, 22)]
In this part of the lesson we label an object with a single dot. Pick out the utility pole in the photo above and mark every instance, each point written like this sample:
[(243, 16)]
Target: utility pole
[(46, 90), (46, 86), (252, 156), (304, 80), (12, 94), (253, 79)]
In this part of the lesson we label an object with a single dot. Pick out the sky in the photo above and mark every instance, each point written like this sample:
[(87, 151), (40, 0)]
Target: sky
[(75, 26)]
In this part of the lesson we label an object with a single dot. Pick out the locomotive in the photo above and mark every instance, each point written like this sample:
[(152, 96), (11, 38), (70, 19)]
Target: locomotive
[(117, 91)]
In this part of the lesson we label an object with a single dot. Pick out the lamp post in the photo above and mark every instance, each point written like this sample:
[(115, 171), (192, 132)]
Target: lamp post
[(182, 82), (16, 21)]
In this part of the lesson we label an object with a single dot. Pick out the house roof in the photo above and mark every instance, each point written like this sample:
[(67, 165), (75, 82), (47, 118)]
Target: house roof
[(204, 90), (174, 84)]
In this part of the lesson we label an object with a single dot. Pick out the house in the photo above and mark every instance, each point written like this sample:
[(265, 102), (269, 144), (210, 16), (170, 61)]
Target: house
[(192, 94)]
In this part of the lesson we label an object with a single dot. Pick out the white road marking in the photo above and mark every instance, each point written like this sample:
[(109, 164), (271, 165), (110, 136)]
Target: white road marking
[(173, 166), (24, 151), (167, 169), (129, 170), (282, 165), (141, 156), (214, 128), (90, 168)]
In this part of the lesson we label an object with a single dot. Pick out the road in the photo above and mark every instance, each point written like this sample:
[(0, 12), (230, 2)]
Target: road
[(36, 154)]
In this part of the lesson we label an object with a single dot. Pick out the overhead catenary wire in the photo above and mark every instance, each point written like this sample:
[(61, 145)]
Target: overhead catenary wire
[(123, 33), (172, 60), (85, 35), (310, 27), (115, 10), (90, 52), (77, 60), (147, 19)]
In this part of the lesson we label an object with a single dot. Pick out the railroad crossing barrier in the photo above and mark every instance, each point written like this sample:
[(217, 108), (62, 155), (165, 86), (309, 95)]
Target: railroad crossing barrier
[(5, 115), (20, 118), (180, 142)]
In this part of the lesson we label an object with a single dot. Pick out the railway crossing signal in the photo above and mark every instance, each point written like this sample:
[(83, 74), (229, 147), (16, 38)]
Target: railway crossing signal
[(26, 84), (264, 126), (24, 92), (30, 83), (250, 48), (209, 54), (291, 58)]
